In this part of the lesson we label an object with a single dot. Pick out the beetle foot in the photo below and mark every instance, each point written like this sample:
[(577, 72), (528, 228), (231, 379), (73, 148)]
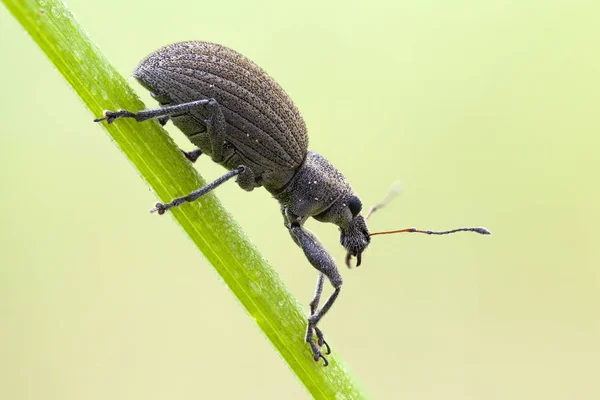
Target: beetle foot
[(160, 208), (317, 355), (316, 347), (321, 340), (110, 116)]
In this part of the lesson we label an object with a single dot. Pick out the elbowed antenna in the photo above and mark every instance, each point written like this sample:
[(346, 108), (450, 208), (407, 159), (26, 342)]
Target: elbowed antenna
[(480, 230), (394, 191)]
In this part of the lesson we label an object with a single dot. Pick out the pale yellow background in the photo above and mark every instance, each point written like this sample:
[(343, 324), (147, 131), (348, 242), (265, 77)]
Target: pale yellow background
[(486, 112)]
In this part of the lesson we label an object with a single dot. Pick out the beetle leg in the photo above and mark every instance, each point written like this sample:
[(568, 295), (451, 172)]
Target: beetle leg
[(144, 115), (324, 263), (215, 129), (192, 155), (215, 122), (314, 304), (162, 208)]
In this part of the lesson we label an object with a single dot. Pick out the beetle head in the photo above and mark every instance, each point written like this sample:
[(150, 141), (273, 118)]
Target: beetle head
[(354, 232)]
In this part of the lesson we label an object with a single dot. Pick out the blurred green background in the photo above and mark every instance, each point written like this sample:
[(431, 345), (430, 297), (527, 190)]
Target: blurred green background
[(485, 112)]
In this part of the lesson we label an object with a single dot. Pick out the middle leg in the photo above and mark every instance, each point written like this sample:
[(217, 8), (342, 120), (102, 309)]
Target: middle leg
[(162, 208)]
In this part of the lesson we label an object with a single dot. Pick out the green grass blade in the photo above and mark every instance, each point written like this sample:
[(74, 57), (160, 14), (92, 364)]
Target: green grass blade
[(255, 283)]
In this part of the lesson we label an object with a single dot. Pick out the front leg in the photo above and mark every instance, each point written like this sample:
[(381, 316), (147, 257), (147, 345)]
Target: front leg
[(314, 305), (324, 263)]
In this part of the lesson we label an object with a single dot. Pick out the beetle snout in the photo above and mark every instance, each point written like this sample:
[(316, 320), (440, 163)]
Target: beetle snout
[(355, 239)]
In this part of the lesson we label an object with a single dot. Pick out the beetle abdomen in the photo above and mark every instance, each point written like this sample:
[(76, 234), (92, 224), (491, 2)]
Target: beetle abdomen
[(263, 124)]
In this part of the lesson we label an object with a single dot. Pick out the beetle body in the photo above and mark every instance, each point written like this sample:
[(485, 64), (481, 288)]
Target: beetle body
[(239, 116), (234, 112)]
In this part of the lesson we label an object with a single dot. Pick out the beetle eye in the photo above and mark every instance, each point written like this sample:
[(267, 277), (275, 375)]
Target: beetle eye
[(354, 205)]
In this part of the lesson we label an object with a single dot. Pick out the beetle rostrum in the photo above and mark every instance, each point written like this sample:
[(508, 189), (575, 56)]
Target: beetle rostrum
[(235, 113)]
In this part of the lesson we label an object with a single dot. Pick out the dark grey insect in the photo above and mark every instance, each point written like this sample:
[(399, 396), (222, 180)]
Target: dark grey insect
[(239, 116)]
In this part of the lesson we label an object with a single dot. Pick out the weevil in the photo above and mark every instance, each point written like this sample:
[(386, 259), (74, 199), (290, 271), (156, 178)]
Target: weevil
[(236, 114)]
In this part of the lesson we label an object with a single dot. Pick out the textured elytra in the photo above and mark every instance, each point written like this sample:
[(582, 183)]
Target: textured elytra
[(263, 124)]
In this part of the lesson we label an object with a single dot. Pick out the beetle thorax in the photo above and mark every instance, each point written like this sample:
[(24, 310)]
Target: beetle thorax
[(314, 189)]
